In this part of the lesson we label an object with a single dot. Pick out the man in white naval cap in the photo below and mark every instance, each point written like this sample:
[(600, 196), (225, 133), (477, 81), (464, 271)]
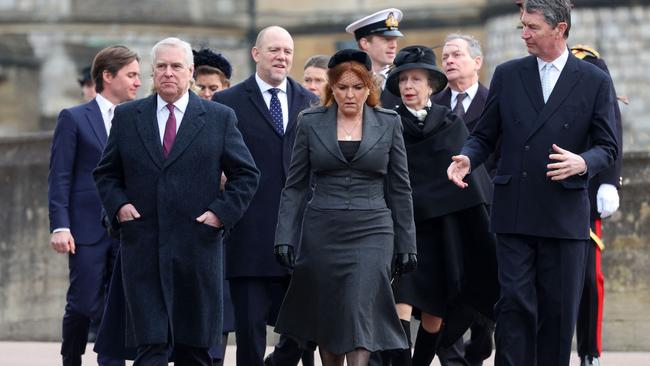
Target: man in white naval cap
[(377, 35)]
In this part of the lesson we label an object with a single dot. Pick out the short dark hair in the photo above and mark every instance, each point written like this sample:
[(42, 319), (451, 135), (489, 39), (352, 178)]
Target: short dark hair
[(318, 61), (111, 59), (554, 12)]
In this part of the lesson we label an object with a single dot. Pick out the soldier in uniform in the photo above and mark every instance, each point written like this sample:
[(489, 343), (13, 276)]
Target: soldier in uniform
[(377, 34), (603, 196)]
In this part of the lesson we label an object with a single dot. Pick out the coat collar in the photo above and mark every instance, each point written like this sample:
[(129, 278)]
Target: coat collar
[(373, 130), (147, 126), (94, 117), (568, 80)]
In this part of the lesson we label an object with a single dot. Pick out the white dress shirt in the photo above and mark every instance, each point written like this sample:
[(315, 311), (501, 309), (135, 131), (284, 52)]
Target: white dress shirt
[(107, 109), (556, 69), (282, 96), (162, 113), (471, 93)]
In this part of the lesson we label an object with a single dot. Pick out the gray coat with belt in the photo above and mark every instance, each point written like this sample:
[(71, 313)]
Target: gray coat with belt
[(377, 177)]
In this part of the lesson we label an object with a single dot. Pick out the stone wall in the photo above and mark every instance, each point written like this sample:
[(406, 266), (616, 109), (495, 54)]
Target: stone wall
[(33, 278)]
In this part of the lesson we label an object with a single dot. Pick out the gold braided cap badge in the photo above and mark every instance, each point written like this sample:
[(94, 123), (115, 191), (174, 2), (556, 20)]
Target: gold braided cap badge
[(391, 22), (581, 51)]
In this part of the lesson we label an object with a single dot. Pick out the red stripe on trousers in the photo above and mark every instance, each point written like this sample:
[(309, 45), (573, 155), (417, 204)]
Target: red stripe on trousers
[(600, 285)]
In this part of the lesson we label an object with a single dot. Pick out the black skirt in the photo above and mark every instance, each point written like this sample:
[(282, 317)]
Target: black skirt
[(340, 296), (456, 264)]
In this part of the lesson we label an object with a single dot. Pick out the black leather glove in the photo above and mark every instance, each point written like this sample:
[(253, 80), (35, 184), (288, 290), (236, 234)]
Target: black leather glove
[(405, 263), (108, 225), (284, 255)]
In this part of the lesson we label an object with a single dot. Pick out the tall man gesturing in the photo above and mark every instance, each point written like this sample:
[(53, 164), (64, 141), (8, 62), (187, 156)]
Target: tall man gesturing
[(555, 117), (159, 182)]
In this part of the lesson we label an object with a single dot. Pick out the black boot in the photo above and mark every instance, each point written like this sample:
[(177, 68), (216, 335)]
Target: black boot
[(402, 357), (425, 348)]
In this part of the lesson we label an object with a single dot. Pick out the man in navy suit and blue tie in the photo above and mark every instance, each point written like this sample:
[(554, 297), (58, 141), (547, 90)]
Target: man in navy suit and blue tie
[(267, 106), (74, 205), (554, 115)]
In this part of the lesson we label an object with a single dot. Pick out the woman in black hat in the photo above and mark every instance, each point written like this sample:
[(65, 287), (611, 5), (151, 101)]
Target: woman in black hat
[(349, 156), (441, 288)]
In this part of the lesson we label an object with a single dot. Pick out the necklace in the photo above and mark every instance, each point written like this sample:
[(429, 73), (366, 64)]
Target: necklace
[(348, 134)]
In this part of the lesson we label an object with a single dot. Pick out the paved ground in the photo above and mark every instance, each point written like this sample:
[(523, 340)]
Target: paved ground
[(47, 354)]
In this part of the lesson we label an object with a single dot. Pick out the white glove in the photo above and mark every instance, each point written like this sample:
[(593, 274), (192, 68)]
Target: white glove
[(607, 200)]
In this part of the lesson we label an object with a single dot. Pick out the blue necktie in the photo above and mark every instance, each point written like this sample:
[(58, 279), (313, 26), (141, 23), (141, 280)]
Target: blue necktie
[(276, 111)]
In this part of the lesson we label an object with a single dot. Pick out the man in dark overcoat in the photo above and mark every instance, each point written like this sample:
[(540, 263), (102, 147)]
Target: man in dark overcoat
[(159, 182), (267, 105), (555, 117)]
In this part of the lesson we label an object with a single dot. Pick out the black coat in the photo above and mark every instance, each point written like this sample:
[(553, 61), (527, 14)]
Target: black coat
[(171, 264), (429, 154), (579, 117), (249, 248)]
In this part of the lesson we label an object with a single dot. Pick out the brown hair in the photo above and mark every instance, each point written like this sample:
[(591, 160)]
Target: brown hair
[(210, 70), (111, 59), (334, 75)]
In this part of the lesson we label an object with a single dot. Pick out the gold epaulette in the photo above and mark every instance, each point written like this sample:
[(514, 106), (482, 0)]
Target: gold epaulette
[(597, 240), (581, 51)]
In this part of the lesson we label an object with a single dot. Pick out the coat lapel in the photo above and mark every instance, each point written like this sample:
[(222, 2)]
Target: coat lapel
[(94, 118), (373, 130), (563, 88), (147, 127), (255, 96), (476, 107), (529, 75), (326, 132), (296, 103), (191, 124)]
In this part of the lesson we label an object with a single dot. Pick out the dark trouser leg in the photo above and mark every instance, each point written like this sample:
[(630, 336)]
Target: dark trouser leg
[(516, 310), (560, 278), (453, 355), (252, 303), (75, 337), (90, 270), (152, 355), (185, 355), (589, 329), (218, 352), (286, 352), (426, 345)]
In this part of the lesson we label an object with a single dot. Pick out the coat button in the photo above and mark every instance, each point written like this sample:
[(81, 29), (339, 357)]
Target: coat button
[(524, 174), (566, 125), (526, 147)]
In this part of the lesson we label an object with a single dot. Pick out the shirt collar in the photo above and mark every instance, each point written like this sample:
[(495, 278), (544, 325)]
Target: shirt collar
[(180, 104), (103, 103), (264, 86), (471, 92), (559, 62)]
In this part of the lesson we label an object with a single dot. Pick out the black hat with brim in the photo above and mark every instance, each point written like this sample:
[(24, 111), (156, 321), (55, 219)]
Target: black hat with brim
[(350, 54), (416, 57), (84, 76)]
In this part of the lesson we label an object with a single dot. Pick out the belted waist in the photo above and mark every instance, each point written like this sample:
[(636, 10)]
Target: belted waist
[(348, 192)]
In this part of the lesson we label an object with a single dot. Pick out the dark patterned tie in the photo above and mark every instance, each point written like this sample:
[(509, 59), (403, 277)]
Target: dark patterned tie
[(458, 109), (170, 131), (276, 111)]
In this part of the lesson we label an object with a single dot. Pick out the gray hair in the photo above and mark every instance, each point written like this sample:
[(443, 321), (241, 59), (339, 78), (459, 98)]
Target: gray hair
[(174, 42), (554, 12), (472, 44), (318, 61)]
